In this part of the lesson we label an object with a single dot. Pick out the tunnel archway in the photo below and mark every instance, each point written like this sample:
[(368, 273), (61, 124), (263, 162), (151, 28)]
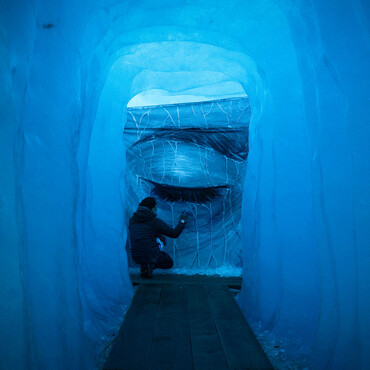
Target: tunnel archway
[(103, 229), (140, 67)]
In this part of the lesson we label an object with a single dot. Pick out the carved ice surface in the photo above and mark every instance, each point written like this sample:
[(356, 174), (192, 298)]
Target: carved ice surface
[(192, 157), (69, 69)]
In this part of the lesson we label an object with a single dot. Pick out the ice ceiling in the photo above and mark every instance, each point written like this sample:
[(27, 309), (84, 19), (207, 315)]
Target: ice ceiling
[(68, 71)]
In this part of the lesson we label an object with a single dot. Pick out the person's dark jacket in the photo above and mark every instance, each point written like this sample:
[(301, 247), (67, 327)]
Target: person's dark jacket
[(144, 228)]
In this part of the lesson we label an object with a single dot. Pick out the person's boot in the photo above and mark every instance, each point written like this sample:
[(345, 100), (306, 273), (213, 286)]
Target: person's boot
[(143, 270), (146, 270), (150, 270)]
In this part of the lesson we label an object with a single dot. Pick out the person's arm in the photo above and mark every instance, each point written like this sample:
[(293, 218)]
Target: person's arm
[(164, 229)]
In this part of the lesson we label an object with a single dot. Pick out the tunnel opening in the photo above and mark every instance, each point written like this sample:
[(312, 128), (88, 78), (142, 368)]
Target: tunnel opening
[(135, 69), (190, 152)]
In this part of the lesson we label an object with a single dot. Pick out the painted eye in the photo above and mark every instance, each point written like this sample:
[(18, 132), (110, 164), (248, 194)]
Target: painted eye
[(181, 194)]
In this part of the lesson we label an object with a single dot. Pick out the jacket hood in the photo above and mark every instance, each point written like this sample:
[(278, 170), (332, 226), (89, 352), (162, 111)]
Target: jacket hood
[(143, 214)]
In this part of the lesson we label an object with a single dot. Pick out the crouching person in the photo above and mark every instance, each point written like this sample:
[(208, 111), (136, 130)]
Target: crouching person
[(144, 229)]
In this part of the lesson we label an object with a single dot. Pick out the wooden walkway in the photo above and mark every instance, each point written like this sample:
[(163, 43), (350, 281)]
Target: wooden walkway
[(182, 323)]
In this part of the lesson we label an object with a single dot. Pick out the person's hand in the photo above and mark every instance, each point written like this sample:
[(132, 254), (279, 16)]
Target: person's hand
[(184, 216), (162, 238)]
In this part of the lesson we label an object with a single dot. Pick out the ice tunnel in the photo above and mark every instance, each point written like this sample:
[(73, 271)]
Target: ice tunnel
[(72, 75)]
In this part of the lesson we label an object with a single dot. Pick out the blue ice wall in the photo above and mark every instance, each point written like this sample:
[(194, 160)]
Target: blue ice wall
[(68, 70)]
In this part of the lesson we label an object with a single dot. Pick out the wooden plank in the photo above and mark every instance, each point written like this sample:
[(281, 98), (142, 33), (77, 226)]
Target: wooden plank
[(131, 349), (171, 342), (206, 347), (240, 345)]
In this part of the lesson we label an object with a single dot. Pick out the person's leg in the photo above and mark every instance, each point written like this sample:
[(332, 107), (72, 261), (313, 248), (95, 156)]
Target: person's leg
[(164, 261), (146, 270)]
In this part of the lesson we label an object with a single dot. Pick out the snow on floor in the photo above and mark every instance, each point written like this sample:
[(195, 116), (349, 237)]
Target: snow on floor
[(225, 271)]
